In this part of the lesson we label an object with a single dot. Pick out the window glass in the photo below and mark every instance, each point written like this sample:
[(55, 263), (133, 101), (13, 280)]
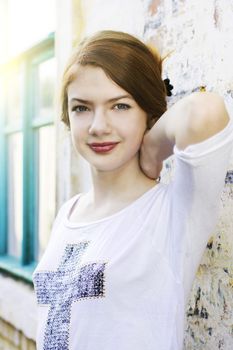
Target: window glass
[(45, 87), (14, 97), (46, 190), (15, 209)]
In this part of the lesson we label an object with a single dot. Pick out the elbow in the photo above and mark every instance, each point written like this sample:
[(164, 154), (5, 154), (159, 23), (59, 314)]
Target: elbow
[(211, 113), (208, 117)]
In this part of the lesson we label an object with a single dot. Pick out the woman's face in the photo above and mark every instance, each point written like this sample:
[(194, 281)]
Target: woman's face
[(107, 125)]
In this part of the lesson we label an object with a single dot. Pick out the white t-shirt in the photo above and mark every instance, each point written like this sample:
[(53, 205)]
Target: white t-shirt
[(122, 282)]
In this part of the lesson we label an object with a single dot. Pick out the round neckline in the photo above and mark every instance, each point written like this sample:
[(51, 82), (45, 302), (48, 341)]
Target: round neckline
[(73, 224)]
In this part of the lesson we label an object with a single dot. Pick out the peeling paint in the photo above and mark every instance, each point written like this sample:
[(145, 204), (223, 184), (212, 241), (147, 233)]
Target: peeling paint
[(187, 27)]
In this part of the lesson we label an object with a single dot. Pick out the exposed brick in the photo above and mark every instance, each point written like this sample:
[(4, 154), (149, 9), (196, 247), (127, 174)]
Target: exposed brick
[(13, 339)]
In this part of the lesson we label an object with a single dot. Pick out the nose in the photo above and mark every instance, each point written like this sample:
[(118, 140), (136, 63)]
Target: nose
[(100, 124)]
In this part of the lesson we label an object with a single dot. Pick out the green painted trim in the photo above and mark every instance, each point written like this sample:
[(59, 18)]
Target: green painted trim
[(28, 171), (11, 266)]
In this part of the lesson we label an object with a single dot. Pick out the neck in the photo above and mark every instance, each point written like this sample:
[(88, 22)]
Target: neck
[(123, 184)]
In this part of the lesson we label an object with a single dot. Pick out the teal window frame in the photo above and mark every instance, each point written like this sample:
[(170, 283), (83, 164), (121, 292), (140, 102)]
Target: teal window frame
[(23, 268)]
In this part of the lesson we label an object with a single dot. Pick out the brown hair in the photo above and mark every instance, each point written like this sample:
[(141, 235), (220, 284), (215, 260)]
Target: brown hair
[(134, 66)]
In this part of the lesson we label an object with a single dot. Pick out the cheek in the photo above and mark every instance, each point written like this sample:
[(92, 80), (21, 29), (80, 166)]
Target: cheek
[(77, 128), (139, 131), (136, 139)]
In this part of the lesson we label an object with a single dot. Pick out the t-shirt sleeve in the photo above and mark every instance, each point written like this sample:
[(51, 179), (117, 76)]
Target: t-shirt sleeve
[(198, 181)]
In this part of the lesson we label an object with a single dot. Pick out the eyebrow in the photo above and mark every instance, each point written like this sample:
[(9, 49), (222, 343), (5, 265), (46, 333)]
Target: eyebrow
[(110, 100)]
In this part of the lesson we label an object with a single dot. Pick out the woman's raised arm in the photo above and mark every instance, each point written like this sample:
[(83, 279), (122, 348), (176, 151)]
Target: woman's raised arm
[(192, 119)]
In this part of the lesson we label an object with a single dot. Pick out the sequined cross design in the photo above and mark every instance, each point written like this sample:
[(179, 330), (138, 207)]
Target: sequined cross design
[(68, 284)]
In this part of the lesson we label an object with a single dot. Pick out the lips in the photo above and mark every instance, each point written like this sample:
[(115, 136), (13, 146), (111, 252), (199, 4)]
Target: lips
[(102, 147)]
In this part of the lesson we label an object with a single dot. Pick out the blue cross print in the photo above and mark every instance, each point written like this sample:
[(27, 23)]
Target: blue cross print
[(59, 289)]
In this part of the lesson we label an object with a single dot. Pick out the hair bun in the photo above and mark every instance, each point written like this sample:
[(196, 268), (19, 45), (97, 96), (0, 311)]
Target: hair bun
[(169, 87)]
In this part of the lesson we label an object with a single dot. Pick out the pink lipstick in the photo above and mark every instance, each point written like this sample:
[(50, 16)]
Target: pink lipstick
[(102, 147)]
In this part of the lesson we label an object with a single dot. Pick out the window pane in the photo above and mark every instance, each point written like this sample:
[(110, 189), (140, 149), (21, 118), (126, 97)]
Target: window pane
[(14, 97), (30, 21), (45, 89), (15, 209), (46, 186)]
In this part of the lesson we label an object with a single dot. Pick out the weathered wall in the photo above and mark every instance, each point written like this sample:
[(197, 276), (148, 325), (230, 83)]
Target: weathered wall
[(13, 339), (198, 35), (18, 315)]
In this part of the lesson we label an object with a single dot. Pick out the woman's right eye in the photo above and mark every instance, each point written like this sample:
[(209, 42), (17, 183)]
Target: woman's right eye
[(79, 109)]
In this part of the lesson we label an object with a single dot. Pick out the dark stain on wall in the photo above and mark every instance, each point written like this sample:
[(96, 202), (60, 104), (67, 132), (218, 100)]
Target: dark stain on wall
[(229, 177)]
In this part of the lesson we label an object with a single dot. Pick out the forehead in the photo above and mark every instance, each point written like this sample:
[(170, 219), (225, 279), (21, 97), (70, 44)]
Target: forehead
[(89, 82)]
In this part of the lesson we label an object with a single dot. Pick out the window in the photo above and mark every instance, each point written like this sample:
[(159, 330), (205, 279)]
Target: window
[(27, 157)]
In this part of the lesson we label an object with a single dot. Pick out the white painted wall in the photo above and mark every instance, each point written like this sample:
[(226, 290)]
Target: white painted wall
[(18, 305)]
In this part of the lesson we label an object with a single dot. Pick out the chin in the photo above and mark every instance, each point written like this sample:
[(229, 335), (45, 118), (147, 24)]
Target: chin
[(105, 168), (111, 162), (111, 166)]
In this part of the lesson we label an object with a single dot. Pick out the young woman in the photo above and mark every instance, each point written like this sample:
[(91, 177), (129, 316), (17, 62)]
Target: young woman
[(122, 257)]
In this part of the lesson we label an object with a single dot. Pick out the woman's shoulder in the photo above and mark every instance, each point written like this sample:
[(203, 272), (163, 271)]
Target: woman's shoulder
[(66, 206)]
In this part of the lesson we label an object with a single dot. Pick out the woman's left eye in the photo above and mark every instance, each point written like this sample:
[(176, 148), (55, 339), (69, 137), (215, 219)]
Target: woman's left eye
[(122, 106)]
